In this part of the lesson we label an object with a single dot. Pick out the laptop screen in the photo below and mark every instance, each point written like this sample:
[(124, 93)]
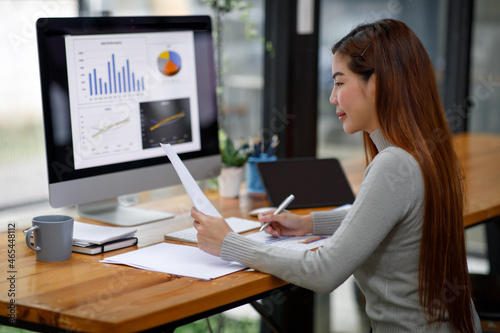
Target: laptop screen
[(313, 182)]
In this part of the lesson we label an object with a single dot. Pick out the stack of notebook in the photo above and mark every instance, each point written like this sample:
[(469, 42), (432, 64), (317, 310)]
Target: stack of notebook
[(94, 239)]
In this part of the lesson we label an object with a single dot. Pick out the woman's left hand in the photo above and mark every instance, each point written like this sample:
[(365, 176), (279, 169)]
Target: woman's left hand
[(211, 231)]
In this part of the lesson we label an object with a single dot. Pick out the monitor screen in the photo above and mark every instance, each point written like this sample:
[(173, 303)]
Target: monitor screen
[(113, 89)]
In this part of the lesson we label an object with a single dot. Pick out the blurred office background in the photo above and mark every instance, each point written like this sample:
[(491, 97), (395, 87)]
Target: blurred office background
[(461, 37)]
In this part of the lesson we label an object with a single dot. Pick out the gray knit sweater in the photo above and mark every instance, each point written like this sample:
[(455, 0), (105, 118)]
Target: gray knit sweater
[(377, 240)]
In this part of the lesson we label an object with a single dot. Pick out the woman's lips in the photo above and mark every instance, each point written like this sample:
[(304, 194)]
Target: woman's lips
[(341, 115)]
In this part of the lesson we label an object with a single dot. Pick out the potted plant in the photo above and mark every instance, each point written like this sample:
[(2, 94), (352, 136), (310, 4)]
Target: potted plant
[(233, 161)]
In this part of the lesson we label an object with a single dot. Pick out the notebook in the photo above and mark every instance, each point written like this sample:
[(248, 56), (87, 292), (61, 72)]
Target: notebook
[(314, 182), (116, 244), (85, 234)]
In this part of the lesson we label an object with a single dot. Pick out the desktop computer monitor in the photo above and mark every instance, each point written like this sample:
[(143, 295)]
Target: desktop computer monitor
[(113, 89)]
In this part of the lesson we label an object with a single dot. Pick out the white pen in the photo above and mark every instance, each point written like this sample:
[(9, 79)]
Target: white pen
[(283, 205)]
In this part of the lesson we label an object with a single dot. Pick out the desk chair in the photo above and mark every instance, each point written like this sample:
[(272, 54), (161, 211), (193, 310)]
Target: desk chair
[(486, 294)]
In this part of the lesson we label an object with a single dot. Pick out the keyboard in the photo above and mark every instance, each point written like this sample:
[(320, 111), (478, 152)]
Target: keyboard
[(189, 234)]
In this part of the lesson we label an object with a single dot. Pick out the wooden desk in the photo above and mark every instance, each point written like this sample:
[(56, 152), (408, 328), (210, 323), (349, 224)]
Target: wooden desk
[(84, 295), (479, 156)]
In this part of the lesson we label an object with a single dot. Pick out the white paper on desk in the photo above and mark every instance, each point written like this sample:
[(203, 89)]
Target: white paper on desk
[(198, 198), (307, 242), (177, 260)]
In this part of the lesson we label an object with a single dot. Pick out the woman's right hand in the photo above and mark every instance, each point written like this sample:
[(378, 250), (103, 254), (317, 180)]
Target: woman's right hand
[(287, 224)]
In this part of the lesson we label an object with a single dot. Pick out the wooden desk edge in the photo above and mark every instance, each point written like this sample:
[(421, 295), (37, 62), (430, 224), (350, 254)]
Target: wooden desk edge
[(217, 293), (171, 317)]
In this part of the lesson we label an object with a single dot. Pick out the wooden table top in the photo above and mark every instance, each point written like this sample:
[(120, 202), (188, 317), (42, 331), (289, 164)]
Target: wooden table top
[(82, 294), (480, 158), (479, 155)]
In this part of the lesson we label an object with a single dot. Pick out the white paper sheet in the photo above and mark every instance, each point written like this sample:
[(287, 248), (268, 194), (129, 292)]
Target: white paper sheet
[(307, 242), (190, 234), (198, 198), (176, 259)]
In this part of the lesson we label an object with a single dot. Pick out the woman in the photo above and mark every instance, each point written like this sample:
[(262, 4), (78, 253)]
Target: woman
[(403, 237)]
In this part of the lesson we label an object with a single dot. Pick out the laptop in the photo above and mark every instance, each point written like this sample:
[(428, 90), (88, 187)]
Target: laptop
[(314, 182)]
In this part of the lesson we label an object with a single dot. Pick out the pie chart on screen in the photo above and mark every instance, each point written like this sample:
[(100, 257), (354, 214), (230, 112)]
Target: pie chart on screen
[(169, 63)]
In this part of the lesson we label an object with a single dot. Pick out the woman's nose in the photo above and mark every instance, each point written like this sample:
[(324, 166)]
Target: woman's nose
[(333, 99)]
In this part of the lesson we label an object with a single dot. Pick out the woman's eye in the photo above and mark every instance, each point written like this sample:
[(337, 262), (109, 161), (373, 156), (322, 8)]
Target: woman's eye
[(338, 84)]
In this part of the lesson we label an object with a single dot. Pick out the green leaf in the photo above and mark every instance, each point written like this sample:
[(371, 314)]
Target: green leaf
[(231, 156)]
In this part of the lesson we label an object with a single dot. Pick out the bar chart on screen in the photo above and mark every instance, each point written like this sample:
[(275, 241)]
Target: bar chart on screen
[(109, 69)]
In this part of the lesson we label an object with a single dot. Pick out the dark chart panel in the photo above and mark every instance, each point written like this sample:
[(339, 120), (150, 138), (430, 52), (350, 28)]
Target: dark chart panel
[(167, 121)]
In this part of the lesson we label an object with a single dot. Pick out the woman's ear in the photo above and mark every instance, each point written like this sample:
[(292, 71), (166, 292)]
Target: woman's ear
[(371, 87)]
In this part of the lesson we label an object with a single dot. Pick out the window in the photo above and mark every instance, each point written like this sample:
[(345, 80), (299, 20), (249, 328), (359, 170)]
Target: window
[(427, 18), (22, 160), (484, 86)]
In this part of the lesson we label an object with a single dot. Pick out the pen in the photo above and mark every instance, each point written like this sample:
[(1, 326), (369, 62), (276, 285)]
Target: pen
[(272, 147), (283, 205), (257, 142)]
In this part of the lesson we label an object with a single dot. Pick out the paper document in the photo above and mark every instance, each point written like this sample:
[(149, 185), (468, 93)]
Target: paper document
[(307, 242), (190, 234), (177, 260), (198, 198)]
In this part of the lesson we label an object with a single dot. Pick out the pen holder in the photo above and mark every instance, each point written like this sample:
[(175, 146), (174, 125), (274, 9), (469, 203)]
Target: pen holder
[(254, 184)]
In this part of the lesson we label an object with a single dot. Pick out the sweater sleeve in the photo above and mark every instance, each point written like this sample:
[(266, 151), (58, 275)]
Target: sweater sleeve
[(385, 197), (326, 223)]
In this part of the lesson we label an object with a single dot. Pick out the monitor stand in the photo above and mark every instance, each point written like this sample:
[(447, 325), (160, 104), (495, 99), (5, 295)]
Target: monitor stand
[(110, 211)]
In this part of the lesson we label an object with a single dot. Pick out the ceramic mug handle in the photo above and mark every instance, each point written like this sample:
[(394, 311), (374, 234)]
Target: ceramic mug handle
[(28, 238)]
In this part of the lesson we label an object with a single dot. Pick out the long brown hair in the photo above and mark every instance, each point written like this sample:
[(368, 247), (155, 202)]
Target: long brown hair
[(412, 117)]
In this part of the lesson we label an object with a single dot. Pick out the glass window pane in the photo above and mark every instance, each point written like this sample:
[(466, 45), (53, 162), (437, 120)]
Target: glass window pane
[(484, 88), (22, 160), (426, 18)]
